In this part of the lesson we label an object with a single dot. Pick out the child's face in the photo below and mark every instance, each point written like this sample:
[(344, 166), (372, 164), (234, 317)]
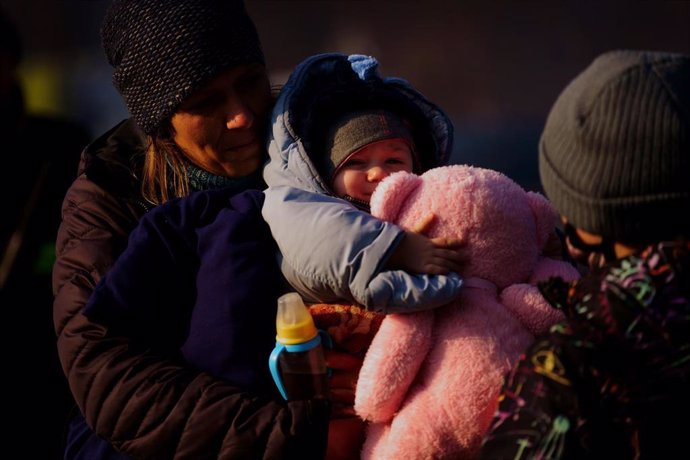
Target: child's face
[(359, 175)]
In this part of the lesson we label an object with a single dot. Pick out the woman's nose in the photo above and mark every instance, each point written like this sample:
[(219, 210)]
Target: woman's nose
[(238, 116)]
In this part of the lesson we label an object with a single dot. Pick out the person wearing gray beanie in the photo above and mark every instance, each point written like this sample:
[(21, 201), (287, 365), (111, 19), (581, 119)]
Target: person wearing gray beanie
[(610, 380), (192, 75), (614, 155)]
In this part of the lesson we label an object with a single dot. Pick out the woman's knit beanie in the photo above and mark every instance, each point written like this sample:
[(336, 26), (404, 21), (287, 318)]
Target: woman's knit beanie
[(164, 50), (355, 130), (614, 156)]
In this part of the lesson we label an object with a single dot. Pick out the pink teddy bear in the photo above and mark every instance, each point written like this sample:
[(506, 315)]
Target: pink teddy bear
[(430, 380)]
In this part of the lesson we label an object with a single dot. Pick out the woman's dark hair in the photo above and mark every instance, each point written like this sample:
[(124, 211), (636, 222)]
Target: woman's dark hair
[(165, 167), (165, 164)]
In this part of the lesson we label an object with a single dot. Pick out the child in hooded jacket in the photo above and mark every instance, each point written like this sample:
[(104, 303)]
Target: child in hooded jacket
[(333, 111), (338, 130)]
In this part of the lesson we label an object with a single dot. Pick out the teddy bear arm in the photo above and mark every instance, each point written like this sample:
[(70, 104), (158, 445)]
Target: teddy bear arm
[(547, 268), (529, 306), (391, 364)]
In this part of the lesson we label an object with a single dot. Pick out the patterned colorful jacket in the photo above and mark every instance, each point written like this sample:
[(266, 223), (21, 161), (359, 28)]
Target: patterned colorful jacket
[(613, 381)]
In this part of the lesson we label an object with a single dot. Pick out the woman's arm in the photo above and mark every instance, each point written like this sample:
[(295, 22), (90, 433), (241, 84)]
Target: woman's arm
[(132, 387)]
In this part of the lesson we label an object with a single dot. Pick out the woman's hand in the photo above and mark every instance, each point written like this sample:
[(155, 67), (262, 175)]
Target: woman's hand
[(435, 256), (345, 438), (346, 430), (345, 370)]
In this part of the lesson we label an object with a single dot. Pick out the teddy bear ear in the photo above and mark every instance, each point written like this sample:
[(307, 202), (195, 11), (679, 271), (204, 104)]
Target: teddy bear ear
[(391, 193), (545, 216)]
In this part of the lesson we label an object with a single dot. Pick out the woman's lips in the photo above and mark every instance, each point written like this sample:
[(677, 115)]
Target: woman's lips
[(243, 145)]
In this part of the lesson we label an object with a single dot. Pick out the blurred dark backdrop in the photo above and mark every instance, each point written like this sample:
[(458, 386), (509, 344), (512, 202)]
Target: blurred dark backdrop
[(494, 66)]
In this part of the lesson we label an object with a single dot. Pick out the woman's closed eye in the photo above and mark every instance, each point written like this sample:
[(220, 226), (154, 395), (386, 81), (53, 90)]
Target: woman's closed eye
[(255, 79), (203, 104)]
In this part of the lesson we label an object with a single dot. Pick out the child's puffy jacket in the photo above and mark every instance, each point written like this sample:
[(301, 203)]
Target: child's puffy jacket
[(331, 251)]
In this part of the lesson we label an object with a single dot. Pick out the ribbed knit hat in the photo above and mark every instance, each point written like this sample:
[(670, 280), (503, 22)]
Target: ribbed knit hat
[(614, 157), (164, 50), (355, 130)]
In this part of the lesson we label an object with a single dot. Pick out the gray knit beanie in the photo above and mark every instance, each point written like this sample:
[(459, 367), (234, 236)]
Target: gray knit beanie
[(354, 130), (164, 50), (614, 157)]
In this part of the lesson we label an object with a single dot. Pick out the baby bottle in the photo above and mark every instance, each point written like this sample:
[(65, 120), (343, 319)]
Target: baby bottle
[(297, 362)]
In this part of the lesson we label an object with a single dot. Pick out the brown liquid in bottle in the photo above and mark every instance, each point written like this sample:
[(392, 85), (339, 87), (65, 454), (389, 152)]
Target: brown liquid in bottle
[(301, 363), (304, 374)]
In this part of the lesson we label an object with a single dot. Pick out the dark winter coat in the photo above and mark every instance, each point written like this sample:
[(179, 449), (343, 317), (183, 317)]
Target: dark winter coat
[(125, 361)]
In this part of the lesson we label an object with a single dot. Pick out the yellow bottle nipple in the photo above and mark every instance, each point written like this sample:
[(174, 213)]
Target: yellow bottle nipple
[(294, 323)]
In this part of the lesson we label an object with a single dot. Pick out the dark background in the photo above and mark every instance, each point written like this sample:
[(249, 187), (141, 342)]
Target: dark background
[(495, 67)]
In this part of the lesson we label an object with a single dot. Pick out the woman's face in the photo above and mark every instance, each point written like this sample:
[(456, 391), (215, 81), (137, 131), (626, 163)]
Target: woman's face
[(220, 127)]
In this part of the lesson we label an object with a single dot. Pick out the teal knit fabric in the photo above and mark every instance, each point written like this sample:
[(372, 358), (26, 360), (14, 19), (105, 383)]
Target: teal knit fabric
[(204, 180)]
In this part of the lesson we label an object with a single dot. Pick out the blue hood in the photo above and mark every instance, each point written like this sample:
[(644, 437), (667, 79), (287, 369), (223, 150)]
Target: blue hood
[(331, 83)]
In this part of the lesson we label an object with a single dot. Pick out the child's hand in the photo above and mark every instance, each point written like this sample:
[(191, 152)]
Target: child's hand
[(418, 254)]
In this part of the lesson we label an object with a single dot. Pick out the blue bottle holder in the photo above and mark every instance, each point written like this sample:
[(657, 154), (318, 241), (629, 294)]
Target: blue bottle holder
[(298, 347)]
